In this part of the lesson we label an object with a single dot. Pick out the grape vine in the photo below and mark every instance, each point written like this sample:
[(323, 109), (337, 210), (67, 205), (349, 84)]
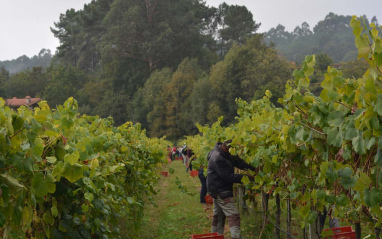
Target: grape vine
[(317, 151), (66, 175)]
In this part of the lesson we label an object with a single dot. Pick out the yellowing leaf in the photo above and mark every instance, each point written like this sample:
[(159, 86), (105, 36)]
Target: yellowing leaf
[(94, 164), (72, 158), (72, 172), (27, 217)]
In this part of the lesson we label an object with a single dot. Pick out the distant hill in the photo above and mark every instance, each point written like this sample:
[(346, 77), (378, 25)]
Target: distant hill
[(22, 63), (332, 36)]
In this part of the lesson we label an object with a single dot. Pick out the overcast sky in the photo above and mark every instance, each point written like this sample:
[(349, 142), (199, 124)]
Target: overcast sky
[(25, 24)]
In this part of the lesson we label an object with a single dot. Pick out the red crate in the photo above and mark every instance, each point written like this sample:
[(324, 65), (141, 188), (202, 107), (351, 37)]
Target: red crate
[(341, 233), (214, 235), (209, 199), (194, 173), (164, 174)]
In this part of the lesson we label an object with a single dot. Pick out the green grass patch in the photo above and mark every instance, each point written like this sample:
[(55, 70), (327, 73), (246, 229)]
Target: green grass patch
[(177, 215)]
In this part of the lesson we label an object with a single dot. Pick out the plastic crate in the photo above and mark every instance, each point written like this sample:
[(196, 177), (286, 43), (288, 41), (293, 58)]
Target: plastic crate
[(341, 233), (214, 235), (194, 173), (164, 174), (209, 199)]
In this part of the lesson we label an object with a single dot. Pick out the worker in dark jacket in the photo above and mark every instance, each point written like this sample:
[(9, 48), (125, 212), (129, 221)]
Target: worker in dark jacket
[(220, 179)]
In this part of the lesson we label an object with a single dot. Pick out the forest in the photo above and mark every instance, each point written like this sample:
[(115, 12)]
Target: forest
[(169, 65)]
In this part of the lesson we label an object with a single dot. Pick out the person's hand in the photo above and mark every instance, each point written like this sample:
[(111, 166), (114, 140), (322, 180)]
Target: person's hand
[(251, 177)]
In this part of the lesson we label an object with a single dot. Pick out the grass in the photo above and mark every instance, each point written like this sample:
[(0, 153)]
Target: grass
[(178, 215)]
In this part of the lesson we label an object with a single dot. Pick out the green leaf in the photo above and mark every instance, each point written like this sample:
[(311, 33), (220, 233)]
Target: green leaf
[(372, 198), (378, 158), (85, 208), (327, 83), (374, 123), (11, 182), (350, 131), (54, 211), (24, 164), (58, 169), (304, 82), (312, 217), (43, 184), (332, 95), (362, 183), (267, 167), (358, 143), (348, 183), (94, 164), (72, 172), (320, 194), (370, 143), (336, 118), (334, 137), (17, 122), (60, 153), (378, 58), (304, 211), (63, 226), (67, 123), (245, 180), (362, 43), (342, 200), (89, 197), (347, 152), (130, 200), (27, 216), (301, 134), (72, 158), (345, 172), (48, 218), (370, 86), (331, 175), (378, 105), (51, 159), (38, 148), (171, 170)]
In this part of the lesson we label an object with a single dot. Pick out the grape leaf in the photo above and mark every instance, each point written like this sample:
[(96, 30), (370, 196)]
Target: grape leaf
[(43, 184), (72, 172)]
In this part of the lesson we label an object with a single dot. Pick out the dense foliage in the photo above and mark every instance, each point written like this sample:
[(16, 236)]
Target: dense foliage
[(66, 175), (319, 151)]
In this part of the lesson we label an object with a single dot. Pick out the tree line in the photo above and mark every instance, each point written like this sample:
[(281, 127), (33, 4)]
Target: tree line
[(24, 63), (166, 64), (332, 36)]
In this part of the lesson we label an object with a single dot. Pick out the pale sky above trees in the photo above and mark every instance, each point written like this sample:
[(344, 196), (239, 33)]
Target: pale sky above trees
[(25, 24)]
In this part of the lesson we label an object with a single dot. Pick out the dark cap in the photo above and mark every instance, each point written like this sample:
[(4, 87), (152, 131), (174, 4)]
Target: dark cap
[(227, 143)]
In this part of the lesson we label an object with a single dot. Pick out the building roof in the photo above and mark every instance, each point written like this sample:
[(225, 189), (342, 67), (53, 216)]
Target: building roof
[(15, 102)]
